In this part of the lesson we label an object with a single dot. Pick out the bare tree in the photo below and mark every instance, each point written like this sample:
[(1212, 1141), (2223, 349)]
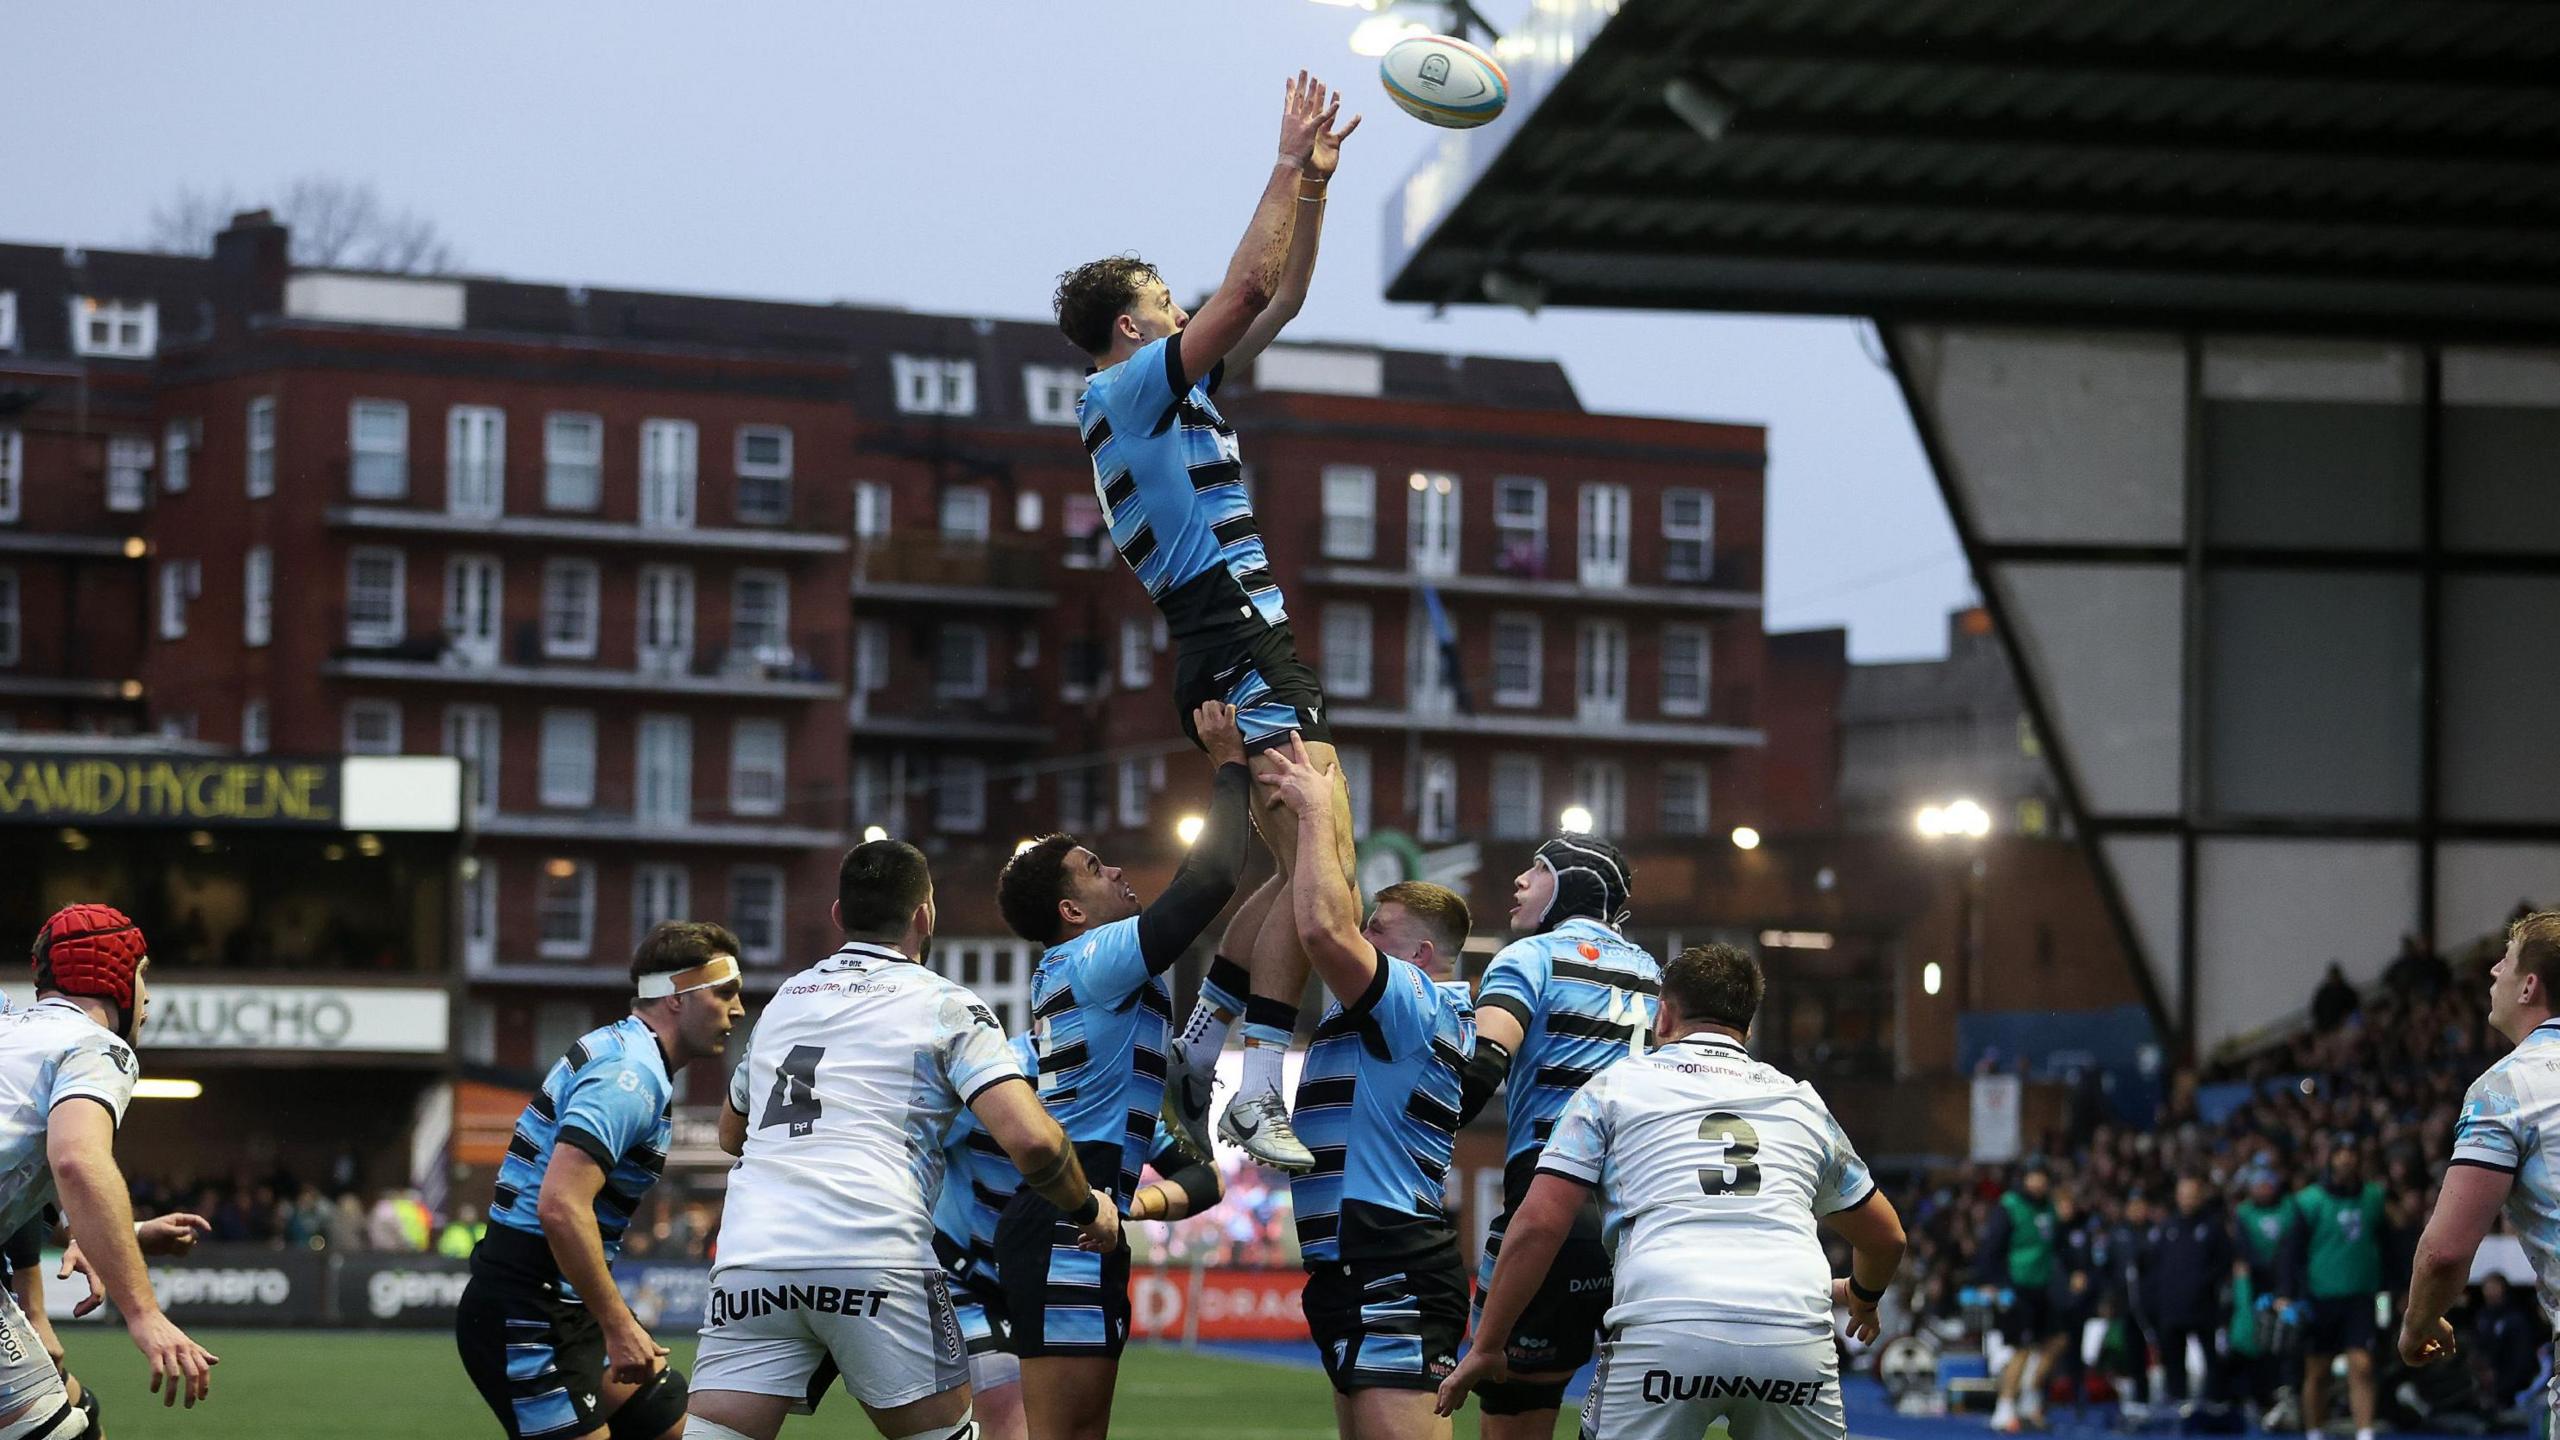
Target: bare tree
[(336, 223)]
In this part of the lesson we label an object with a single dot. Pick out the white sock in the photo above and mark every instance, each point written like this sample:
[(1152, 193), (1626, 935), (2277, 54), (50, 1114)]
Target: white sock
[(1205, 1034), (2004, 1413), (2031, 1388), (1262, 1068), (2364, 1435)]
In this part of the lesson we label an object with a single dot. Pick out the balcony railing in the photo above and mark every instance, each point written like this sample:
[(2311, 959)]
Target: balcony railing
[(770, 671), (1008, 712), (998, 572)]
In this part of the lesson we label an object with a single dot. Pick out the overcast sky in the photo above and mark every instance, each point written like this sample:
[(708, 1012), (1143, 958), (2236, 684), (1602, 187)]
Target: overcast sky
[(949, 156)]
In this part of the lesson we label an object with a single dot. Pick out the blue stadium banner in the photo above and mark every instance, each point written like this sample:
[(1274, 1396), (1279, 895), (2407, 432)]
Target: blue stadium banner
[(121, 787)]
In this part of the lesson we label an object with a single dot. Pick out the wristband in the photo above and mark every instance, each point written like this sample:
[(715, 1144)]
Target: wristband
[(1092, 1208), (1862, 1294)]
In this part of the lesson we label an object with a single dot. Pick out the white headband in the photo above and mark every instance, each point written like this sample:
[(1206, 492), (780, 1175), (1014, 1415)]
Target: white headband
[(718, 970)]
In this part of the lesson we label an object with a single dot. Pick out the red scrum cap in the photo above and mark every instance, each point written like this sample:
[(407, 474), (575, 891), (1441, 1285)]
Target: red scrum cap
[(90, 950)]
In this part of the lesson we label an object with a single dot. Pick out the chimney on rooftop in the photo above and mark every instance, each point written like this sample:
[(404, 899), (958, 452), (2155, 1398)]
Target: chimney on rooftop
[(251, 260)]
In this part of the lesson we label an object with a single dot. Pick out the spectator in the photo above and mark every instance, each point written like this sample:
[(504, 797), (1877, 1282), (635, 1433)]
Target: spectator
[(463, 1233), (2186, 1264), (2504, 1338), (2336, 1261), (2333, 1002), (2266, 1222), (386, 1227), (2417, 972), (2017, 1257)]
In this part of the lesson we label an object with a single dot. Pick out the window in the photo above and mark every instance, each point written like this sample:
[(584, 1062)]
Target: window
[(870, 656), (13, 472), (1350, 512), (1075, 798), (930, 386), (996, 971), (1600, 786), (1436, 810), (1600, 687), (8, 319), (1132, 791), (10, 625), (572, 461), (1026, 648), (1684, 799), (257, 595), (1347, 631), (1518, 813), (663, 771), (378, 440), (960, 795), (177, 448), (764, 474), (256, 729), (473, 587), (1027, 512), (1604, 534), (870, 510), (471, 736), (565, 910), (568, 778), (1684, 670), (960, 663), (128, 472), (1519, 660), (1688, 535), (964, 514), (261, 468), (755, 767), (1431, 523), (1520, 526), (569, 609), (659, 893), (377, 580), (760, 615), (1355, 785), (1428, 686), (372, 727), (1088, 539), (480, 921), (475, 461), (1082, 665), (1137, 655), (1049, 393), (755, 912), (666, 619), (667, 456), (113, 329), (180, 582)]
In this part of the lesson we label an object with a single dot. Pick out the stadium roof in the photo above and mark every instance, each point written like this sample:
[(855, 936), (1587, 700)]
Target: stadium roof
[(2347, 164)]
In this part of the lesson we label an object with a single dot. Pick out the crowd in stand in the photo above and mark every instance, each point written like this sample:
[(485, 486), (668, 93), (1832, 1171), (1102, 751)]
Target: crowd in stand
[(2196, 1263)]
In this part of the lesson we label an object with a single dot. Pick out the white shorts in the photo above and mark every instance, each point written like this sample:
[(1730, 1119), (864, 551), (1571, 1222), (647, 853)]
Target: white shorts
[(1667, 1381), (28, 1380), (890, 1333)]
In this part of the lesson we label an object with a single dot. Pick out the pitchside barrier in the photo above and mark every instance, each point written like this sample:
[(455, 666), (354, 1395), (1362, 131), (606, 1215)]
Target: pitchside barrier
[(269, 1287)]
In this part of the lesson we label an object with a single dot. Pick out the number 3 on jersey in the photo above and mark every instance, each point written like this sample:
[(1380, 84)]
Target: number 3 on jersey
[(795, 1091), (1736, 1168)]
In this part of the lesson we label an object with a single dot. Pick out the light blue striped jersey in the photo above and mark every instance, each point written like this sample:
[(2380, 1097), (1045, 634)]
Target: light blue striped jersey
[(1171, 482), (977, 1179), (1098, 1023), (1378, 1107), (611, 1097), (1585, 999), (2508, 1123)]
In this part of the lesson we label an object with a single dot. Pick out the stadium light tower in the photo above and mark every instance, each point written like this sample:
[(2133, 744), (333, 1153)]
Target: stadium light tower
[(1393, 20), (1188, 829), (1962, 819), (1576, 820)]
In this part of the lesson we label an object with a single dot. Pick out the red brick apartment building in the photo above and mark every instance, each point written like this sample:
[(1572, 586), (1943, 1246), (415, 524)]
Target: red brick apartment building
[(704, 588)]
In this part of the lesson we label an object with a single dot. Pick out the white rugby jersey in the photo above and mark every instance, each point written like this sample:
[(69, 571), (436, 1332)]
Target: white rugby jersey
[(50, 1052), (1712, 1169), (2508, 1124), (854, 1073)]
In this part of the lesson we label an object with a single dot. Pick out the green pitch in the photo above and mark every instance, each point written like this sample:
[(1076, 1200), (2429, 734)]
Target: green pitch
[(314, 1385)]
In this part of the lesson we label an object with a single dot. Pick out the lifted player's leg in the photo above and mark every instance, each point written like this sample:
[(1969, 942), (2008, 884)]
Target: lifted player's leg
[(1191, 1057)]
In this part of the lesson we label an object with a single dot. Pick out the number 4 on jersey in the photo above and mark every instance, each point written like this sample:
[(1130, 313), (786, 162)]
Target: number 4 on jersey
[(795, 1091)]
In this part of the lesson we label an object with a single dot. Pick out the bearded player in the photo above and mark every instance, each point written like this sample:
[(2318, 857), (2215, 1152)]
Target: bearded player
[(67, 1071), (1171, 481)]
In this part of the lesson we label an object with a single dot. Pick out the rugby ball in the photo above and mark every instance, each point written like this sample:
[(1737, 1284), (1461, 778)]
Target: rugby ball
[(1445, 81)]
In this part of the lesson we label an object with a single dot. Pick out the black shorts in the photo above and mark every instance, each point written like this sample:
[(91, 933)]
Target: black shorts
[(1387, 1324), (1258, 671), (2340, 1325), (537, 1359), (1060, 1300), (1559, 1329), (2030, 1317)]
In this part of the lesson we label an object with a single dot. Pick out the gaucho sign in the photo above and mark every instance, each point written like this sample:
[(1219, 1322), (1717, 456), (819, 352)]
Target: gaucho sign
[(98, 788)]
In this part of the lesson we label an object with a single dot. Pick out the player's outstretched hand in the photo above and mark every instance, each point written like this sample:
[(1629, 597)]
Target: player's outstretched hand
[(1327, 154), (1295, 778), (171, 1234), (178, 1365), (1863, 1324), (73, 1260), (1216, 724), (631, 1356), (1101, 1234), (2425, 1344), (1302, 118), (1484, 1365)]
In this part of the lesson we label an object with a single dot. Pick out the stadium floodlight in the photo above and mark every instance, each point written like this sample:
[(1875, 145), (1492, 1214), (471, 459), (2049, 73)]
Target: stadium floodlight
[(1576, 820), (1188, 829), (1963, 819), (1702, 105), (873, 834), (1930, 821), (1023, 844), (1379, 34), (1931, 977), (135, 547), (161, 1087), (1745, 838), (1393, 20), (1504, 288)]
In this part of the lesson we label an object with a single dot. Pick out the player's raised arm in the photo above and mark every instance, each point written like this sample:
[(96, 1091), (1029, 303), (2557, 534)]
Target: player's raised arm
[(1253, 276), (1299, 270), (1320, 898), (79, 1145), (1201, 889)]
